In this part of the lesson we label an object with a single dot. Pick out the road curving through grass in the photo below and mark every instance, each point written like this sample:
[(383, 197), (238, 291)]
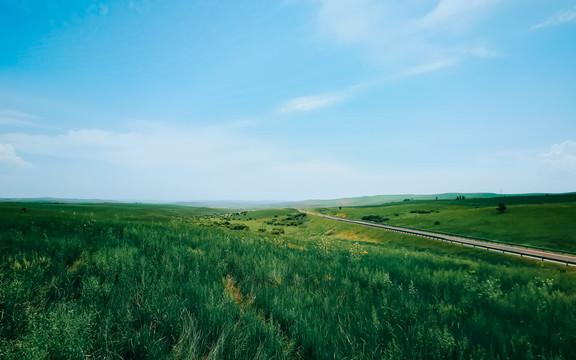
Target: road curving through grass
[(562, 258)]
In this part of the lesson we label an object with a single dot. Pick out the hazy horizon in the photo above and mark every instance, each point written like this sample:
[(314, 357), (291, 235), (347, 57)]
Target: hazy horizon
[(290, 100), (266, 202)]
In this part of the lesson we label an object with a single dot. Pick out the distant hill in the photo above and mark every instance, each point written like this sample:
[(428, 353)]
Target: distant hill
[(306, 204), (227, 204), (215, 204), (52, 200), (353, 201), (382, 199)]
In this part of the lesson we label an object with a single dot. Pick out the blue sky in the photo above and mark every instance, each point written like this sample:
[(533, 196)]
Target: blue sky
[(286, 100)]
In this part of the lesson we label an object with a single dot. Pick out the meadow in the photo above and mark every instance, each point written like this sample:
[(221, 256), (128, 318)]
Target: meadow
[(166, 282), (542, 221)]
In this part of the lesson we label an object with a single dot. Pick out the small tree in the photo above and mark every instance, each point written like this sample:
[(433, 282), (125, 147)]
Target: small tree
[(501, 208)]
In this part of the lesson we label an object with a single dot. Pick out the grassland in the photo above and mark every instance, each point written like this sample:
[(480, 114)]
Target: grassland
[(382, 199), (543, 221), (164, 282)]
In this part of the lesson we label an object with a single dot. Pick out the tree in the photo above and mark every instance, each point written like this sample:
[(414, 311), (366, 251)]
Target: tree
[(501, 208)]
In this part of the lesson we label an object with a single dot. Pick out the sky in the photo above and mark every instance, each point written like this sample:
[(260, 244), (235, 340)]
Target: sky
[(158, 100)]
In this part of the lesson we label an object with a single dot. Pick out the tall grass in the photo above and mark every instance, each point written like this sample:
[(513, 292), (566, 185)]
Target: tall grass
[(72, 287)]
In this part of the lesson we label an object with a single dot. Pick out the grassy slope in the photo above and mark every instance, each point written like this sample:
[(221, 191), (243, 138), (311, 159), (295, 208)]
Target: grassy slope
[(538, 221), (377, 200), (183, 287), (105, 212)]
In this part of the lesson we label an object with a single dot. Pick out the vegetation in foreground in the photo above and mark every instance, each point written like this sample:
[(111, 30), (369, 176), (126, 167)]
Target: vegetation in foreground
[(158, 282)]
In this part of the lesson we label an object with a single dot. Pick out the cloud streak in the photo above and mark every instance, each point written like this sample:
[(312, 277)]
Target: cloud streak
[(426, 68), (314, 102), (16, 118), (560, 18), (407, 37), (309, 103), (411, 32)]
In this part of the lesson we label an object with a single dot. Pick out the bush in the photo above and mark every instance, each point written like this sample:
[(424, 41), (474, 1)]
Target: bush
[(239, 227), (277, 231), (375, 218)]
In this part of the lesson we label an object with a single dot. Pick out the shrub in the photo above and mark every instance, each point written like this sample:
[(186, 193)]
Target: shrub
[(239, 227), (277, 231), (375, 218)]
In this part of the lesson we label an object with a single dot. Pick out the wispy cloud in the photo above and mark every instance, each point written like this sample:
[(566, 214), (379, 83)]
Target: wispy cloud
[(407, 36), (560, 157), (177, 163), (314, 102), (422, 69), (560, 18), (409, 32), (9, 156), (16, 118), (449, 14)]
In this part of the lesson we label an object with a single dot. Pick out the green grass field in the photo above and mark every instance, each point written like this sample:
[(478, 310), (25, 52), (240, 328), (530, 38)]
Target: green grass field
[(543, 221), (166, 282)]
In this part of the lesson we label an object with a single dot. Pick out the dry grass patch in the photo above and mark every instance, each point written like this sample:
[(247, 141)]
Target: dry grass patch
[(352, 236), (297, 247)]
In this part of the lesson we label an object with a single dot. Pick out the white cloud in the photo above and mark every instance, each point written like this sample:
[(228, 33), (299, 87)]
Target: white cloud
[(453, 13), (9, 156), (558, 19), (308, 103), (178, 163), (411, 31), (560, 157), (408, 35), (422, 69), (14, 117), (186, 163), (149, 147), (313, 102), (481, 51)]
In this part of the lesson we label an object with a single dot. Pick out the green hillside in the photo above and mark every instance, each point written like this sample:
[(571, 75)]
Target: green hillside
[(385, 199), (544, 221)]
